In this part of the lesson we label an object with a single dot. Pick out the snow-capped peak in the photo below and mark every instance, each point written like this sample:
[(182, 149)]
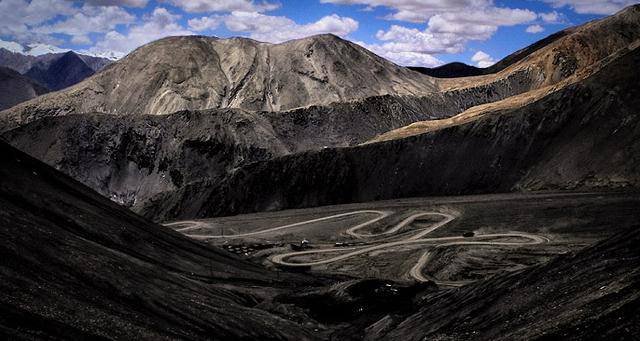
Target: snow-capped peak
[(11, 46), (37, 49), (111, 55)]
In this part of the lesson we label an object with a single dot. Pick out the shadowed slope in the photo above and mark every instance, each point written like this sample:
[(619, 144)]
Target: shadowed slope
[(16, 88), (75, 265)]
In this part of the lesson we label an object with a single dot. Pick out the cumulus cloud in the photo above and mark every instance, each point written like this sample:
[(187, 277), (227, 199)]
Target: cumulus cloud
[(19, 17), (401, 57), (450, 24), (482, 59), (89, 19), (592, 6), (160, 23), (552, 17), (125, 3), (535, 29), (275, 29), (200, 6), (205, 23)]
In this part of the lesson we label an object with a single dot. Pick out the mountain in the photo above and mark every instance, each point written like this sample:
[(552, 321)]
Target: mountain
[(77, 266), (16, 88), (197, 72), (125, 159), (450, 70), (63, 72), (22, 62), (579, 135)]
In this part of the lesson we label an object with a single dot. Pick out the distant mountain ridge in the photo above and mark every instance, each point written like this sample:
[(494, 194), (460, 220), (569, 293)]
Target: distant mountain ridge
[(23, 62), (62, 72), (50, 71), (16, 88)]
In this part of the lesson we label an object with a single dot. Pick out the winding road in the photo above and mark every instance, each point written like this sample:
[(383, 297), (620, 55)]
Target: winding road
[(419, 237)]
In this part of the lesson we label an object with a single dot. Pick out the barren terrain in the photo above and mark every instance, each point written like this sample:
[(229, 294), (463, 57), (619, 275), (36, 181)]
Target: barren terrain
[(421, 239)]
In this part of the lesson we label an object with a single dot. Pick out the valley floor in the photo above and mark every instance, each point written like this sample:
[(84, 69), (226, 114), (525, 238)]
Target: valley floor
[(452, 241)]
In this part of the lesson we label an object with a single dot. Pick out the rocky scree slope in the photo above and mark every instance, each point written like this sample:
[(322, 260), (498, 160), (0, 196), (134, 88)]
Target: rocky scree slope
[(136, 157)]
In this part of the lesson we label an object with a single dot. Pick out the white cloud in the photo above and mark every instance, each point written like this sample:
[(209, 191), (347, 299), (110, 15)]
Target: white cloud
[(482, 59), (89, 19), (450, 24), (125, 3), (535, 29), (200, 6), (81, 39), (160, 23), (417, 10), (593, 6), (402, 39), (552, 17), (18, 17), (400, 57), (205, 23), (275, 29)]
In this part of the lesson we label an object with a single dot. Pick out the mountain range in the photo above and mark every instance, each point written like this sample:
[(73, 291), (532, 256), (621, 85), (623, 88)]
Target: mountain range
[(145, 159), (225, 141), (52, 71)]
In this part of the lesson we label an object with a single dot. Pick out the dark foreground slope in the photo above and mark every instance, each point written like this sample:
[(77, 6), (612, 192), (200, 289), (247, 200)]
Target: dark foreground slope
[(593, 294), (584, 136), (16, 88), (77, 266)]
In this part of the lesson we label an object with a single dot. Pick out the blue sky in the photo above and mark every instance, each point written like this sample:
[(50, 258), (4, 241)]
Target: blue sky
[(409, 32)]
